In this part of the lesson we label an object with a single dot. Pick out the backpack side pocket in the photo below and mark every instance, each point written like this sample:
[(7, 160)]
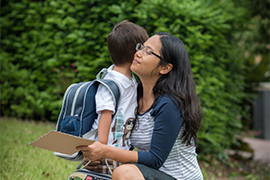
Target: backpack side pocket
[(70, 125)]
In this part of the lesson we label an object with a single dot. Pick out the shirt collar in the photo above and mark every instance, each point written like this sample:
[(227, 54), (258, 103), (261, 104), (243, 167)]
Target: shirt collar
[(125, 81)]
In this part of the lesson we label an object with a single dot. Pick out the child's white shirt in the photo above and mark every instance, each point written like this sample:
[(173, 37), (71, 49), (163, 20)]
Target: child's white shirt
[(122, 122)]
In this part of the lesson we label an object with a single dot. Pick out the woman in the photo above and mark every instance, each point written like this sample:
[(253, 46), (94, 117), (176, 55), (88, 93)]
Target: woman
[(168, 116)]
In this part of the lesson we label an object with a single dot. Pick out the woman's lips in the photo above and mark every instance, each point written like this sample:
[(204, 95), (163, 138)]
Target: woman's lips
[(135, 61)]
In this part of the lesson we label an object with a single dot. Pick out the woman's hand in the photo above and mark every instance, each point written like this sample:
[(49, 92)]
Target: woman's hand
[(99, 152), (93, 152)]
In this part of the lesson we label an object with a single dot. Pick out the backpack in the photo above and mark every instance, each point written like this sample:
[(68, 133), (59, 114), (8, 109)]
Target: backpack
[(84, 174), (78, 110)]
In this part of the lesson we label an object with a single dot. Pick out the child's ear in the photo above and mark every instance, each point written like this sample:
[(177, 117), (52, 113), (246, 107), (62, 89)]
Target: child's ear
[(166, 69)]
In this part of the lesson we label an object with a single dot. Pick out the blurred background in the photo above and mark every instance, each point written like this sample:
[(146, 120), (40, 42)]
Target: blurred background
[(48, 44)]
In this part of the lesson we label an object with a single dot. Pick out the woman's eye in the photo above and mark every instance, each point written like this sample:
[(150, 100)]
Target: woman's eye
[(147, 50)]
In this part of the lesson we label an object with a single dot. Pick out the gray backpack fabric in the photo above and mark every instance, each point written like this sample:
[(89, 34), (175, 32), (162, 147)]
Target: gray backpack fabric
[(78, 110)]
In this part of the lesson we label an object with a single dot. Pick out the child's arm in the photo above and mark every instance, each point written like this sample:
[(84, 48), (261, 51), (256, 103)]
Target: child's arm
[(104, 126)]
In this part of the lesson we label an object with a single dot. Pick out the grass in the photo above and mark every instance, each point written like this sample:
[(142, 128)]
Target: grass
[(22, 161)]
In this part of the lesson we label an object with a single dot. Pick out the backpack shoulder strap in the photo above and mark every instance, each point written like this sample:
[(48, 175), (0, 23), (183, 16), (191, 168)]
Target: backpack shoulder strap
[(111, 85), (114, 89), (102, 73)]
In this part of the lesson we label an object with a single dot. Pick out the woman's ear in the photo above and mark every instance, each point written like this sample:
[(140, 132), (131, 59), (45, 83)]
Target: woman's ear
[(166, 69)]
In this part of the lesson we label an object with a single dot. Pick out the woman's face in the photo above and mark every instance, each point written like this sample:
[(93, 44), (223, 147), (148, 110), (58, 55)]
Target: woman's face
[(143, 63)]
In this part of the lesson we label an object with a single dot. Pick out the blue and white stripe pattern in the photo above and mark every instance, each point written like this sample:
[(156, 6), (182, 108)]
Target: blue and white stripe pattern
[(182, 161)]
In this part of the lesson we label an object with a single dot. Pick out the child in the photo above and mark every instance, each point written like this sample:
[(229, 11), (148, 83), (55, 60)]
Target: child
[(121, 43)]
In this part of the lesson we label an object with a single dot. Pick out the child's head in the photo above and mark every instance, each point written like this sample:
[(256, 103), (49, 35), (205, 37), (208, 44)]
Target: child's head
[(122, 41)]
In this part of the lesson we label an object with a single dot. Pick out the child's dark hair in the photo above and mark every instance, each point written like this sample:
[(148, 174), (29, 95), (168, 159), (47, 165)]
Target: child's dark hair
[(122, 41)]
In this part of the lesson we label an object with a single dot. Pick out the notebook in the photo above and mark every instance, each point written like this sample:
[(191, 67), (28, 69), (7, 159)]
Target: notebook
[(60, 142)]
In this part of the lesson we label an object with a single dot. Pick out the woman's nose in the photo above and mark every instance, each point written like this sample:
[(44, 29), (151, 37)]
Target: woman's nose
[(138, 53)]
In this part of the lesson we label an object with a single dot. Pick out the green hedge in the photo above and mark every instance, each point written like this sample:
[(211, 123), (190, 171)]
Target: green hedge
[(47, 45)]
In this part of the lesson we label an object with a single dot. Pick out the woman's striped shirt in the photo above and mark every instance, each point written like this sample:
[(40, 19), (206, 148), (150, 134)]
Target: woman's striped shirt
[(157, 135)]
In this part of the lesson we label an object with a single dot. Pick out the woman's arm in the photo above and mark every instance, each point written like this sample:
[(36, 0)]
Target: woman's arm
[(168, 122), (98, 151)]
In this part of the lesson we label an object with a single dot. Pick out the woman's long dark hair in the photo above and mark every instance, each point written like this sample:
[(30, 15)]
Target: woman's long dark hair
[(178, 84)]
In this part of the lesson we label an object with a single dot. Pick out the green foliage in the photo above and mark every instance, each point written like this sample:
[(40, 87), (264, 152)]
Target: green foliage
[(258, 67), (50, 44), (254, 42), (254, 47), (257, 32)]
